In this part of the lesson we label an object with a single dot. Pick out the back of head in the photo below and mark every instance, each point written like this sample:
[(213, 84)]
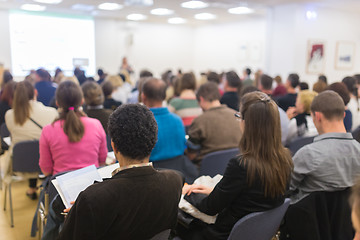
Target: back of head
[(187, 81), (350, 83), (294, 80), (233, 79), (93, 93), (107, 88), (213, 77), (154, 89), (341, 89), (319, 86), (330, 104), (115, 80), (145, 73), (248, 71), (266, 82), (69, 99), (306, 97), (133, 130), (100, 72), (278, 79), (43, 74), (24, 92), (209, 91), (7, 76), (249, 89), (261, 147), (303, 86), (7, 94), (323, 78)]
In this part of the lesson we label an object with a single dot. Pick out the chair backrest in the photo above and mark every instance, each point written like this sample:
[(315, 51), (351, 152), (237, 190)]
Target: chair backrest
[(4, 132), (164, 235), (215, 163), (259, 225), (298, 143), (26, 156)]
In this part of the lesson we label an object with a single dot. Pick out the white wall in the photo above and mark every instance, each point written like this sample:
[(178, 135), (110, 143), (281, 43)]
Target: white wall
[(5, 56)]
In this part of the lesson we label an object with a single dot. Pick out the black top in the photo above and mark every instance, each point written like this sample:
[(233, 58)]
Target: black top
[(137, 203), (100, 114), (233, 198), (231, 99), (3, 108), (287, 101), (111, 104)]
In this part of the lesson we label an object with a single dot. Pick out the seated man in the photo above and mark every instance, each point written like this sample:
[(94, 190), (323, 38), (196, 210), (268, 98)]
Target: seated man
[(331, 162), (231, 86), (138, 201), (216, 129)]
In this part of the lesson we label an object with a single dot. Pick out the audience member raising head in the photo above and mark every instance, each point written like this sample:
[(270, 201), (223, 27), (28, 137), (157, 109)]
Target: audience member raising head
[(94, 99), (341, 89), (232, 87), (186, 105), (26, 119), (260, 174), (354, 106), (215, 129), (133, 131), (73, 141)]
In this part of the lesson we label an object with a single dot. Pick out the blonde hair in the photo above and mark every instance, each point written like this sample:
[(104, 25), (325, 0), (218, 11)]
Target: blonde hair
[(306, 97), (115, 80), (24, 92)]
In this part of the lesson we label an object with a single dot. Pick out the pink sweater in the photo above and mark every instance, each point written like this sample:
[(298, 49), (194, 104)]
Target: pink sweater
[(57, 154)]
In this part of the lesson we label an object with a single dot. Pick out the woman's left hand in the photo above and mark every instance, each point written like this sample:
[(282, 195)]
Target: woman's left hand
[(188, 189)]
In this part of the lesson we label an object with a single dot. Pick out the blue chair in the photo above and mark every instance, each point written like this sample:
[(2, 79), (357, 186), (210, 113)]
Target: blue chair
[(25, 159), (259, 225), (298, 143), (215, 163)]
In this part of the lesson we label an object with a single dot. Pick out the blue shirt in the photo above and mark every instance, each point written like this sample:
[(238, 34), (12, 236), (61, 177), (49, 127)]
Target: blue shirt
[(171, 135), (46, 91)]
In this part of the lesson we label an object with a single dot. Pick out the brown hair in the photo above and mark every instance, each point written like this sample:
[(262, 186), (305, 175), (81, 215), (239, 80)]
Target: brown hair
[(187, 81), (261, 147), (69, 98), (7, 94), (93, 93), (24, 92), (342, 90), (330, 104), (209, 91)]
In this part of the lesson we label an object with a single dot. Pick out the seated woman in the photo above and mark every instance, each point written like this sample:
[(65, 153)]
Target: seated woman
[(254, 181), (186, 106), (109, 102), (301, 123), (94, 99), (72, 141), (25, 121)]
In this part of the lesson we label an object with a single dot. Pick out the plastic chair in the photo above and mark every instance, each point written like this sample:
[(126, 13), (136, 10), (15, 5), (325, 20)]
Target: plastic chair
[(25, 159), (298, 143), (215, 163), (259, 225)]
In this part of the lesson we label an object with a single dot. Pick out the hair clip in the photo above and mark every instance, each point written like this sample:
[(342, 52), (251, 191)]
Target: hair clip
[(265, 99)]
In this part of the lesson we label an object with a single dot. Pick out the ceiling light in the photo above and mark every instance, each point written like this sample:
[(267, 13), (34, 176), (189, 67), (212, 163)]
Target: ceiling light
[(136, 17), (82, 7), (205, 16), (311, 15), (176, 20), (161, 11), (110, 6), (48, 1), (33, 7), (194, 4), (240, 10), (139, 2)]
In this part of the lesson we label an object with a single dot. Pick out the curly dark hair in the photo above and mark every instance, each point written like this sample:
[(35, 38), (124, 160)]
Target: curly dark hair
[(133, 129)]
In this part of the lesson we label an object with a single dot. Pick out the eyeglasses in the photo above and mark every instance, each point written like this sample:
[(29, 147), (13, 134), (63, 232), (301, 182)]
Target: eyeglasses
[(238, 116)]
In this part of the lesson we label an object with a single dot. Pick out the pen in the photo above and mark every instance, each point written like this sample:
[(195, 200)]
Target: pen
[(64, 213)]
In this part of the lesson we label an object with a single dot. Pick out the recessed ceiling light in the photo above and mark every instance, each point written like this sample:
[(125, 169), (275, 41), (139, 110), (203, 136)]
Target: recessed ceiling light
[(194, 4), (176, 20), (240, 10), (139, 2), (82, 7), (161, 11), (110, 6), (48, 1), (33, 7), (136, 17), (205, 16)]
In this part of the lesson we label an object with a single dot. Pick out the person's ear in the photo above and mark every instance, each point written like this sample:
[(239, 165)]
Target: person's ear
[(113, 147), (35, 93), (318, 116), (57, 104), (142, 98)]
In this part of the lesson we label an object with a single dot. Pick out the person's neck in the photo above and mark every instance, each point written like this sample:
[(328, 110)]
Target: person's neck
[(153, 104), (291, 90), (213, 104), (125, 161), (230, 89), (187, 93), (268, 92), (332, 127)]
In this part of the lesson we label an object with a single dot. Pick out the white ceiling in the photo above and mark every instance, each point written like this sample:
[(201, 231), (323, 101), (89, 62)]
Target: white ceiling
[(218, 7)]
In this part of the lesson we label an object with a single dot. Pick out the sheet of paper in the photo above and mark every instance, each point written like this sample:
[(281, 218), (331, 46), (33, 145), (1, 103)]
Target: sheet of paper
[(105, 172), (74, 182), (7, 140)]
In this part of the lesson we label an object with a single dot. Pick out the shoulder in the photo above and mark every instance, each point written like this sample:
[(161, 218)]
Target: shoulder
[(175, 101)]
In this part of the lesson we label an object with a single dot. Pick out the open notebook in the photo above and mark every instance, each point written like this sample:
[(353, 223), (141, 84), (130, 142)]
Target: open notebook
[(70, 185)]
